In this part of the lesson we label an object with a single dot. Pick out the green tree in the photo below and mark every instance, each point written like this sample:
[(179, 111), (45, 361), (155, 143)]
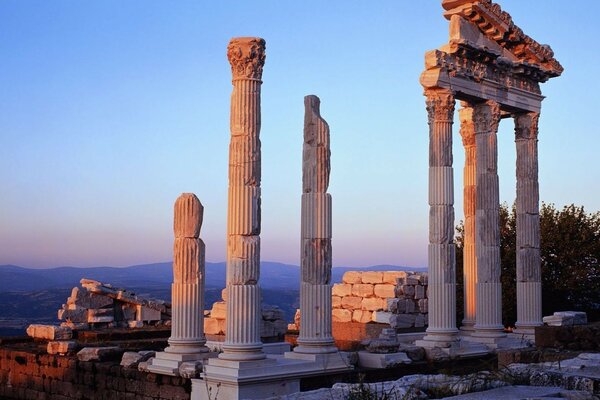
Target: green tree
[(570, 250)]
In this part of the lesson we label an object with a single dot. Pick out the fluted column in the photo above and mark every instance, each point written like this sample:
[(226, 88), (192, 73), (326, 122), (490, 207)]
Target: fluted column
[(529, 279), (467, 131), (315, 286), (442, 274), (486, 117), (187, 290), (242, 341)]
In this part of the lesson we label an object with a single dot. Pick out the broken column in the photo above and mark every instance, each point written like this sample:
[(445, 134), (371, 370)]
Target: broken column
[(187, 341), (315, 286), (467, 131), (442, 330), (242, 343), (486, 117), (529, 280)]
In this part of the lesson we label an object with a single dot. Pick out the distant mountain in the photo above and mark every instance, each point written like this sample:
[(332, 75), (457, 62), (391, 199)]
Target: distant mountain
[(273, 276)]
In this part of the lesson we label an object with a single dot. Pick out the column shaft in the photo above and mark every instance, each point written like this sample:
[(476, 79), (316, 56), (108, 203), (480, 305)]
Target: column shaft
[(242, 341), (486, 117), (442, 275), (467, 131), (529, 284), (316, 257)]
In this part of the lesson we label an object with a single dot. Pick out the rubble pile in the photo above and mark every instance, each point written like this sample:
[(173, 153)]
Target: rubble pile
[(273, 323), (397, 298), (99, 305), (566, 318)]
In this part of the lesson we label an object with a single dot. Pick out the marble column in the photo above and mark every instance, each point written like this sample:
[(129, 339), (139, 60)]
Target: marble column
[(442, 274), (529, 279), (486, 117), (187, 290), (467, 132), (187, 341), (315, 286), (242, 341)]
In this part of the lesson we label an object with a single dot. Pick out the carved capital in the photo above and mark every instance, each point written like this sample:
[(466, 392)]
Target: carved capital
[(486, 117), (440, 105), (247, 57), (526, 125), (467, 126)]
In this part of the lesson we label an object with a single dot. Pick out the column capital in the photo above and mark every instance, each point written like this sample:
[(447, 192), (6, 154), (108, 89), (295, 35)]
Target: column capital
[(526, 125), (247, 57), (486, 117), (440, 105), (467, 125)]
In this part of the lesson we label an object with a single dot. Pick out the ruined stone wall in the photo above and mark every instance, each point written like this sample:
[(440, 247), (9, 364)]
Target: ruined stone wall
[(34, 375), (397, 298)]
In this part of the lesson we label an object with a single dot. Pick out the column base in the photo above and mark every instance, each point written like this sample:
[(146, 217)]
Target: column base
[(316, 347), (165, 363), (438, 338), (467, 328), (246, 352), (273, 376), (332, 362)]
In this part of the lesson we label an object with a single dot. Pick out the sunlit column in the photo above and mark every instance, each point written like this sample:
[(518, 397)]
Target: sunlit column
[(442, 275), (486, 117), (467, 131), (242, 342), (315, 286), (529, 282)]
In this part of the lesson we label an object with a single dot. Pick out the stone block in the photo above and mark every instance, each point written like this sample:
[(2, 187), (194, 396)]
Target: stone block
[(219, 310), (372, 277), (211, 326), (61, 347), (392, 305), (99, 353), (410, 306), (385, 291), (413, 279), (187, 216), (131, 359), (381, 317), (361, 316), (362, 290), (224, 294), (419, 292), (422, 305), (336, 301), (373, 304), (128, 311), (316, 261), (73, 314), (566, 318), (147, 314), (408, 291), (99, 315), (341, 289), (341, 315), (49, 332), (243, 259), (352, 302), (352, 277), (402, 320), (391, 277), (419, 321)]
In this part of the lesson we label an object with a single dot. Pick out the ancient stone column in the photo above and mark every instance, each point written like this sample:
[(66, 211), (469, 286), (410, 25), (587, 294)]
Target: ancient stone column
[(315, 286), (187, 341), (442, 275), (242, 342), (467, 131), (187, 290), (529, 279), (486, 117)]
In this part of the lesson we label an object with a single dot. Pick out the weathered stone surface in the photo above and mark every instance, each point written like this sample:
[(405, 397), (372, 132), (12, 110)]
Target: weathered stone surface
[(566, 318), (131, 359), (372, 277), (316, 220), (61, 347), (316, 154), (419, 292), (382, 317), (316, 261), (362, 290), (352, 302), (341, 315), (212, 326), (384, 290), (341, 290), (188, 259), (391, 277), (336, 302), (243, 259), (189, 213), (402, 321), (99, 353), (352, 277), (49, 332), (361, 316), (373, 304), (219, 310), (190, 369)]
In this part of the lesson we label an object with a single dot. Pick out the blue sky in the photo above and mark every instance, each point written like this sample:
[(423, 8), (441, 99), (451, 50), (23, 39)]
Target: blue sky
[(110, 109)]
